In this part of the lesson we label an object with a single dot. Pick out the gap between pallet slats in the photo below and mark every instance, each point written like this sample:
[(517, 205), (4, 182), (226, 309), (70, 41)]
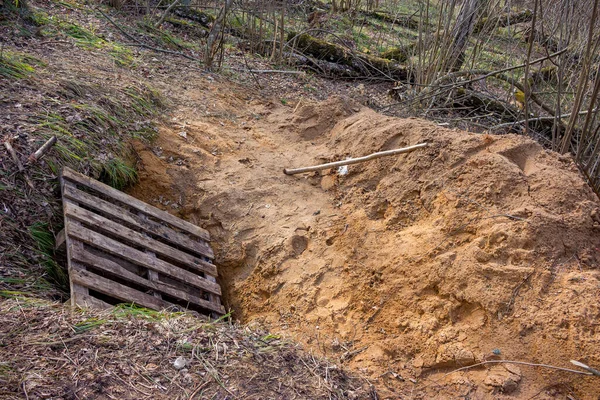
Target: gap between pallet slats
[(117, 290)]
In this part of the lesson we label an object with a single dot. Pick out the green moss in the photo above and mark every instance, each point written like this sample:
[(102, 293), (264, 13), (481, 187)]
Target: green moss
[(39, 18), (122, 56), (400, 54)]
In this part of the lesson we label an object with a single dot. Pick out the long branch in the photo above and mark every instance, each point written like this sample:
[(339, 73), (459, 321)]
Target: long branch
[(519, 363), (141, 44)]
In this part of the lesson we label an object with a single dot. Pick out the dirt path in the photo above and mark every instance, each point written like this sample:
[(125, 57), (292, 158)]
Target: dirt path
[(409, 267)]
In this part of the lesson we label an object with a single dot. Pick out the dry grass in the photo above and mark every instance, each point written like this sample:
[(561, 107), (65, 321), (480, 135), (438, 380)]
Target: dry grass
[(129, 353)]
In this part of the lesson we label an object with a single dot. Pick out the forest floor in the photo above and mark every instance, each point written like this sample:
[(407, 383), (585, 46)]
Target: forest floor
[(401, 272)]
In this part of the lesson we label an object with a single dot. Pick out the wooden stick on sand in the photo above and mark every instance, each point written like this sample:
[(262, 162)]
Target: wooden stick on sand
[(357, 160)]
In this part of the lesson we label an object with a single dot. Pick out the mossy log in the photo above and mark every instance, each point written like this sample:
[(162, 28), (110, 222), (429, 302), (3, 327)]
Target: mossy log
[(363, 64), (410, 22), (200, 17), (320, 66), (544, 40), (545, 74), (503, 20), (400, 54), (190, 28), (478, 101)]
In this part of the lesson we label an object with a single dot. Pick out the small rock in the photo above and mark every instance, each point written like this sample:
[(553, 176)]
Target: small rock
[(503, 378), (180, 363)]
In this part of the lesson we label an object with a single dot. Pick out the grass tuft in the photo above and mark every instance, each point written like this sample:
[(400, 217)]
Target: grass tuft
[(88, 325), (44, 240), (131, 310), (118, 174), (15, 65)]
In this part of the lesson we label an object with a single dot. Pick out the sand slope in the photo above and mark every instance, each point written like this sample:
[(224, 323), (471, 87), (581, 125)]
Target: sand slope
[(406, 268)]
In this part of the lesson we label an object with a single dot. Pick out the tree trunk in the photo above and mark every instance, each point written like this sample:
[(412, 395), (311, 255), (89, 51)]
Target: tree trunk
[(465, 23), (215, 36)]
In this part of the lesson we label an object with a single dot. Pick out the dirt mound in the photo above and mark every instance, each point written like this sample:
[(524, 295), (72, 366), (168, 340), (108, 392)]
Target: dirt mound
[(477, 247)]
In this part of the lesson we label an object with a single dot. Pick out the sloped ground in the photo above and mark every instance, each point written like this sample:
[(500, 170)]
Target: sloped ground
[(407, 268), (49, 352), (69, 78), (476, 248)]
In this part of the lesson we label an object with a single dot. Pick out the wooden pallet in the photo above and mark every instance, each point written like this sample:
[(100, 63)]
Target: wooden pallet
[(122, 250)]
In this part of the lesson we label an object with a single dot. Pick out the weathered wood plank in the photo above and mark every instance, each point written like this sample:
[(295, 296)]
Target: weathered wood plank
[(105, 225), (77, 292), (152, 275), (118, 291), (139, 205), (85, 300), (134, 269), (140, 258), (112, 267), (60, 242), (211, 297), (198, 247)]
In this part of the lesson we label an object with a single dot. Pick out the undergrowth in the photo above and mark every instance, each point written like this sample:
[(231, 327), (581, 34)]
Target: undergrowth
[(93, 119), (15, 65), (45, 242)]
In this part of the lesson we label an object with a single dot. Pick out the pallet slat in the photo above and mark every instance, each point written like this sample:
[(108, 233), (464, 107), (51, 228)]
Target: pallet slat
[(117, 290), (81, 179), (104, 224), (112, 267), (140, 258), (122, 248), (199, 247), (85, 300)]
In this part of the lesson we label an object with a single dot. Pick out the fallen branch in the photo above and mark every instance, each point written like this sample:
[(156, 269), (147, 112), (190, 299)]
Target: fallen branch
[(141, 44), (539, 119), (503, 20), (345, 57), (586, 367), (408, 21), (42, 150), (167, 11), (351, 161), (15, 158), (521, 363), (266, 71), (485, 73), (13, 154)]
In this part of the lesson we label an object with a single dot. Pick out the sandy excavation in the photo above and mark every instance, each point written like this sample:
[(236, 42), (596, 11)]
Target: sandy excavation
[(475, 248)]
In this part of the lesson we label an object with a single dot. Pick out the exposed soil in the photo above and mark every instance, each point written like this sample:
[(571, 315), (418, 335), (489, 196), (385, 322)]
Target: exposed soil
[(407, 268), (476, 248)]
